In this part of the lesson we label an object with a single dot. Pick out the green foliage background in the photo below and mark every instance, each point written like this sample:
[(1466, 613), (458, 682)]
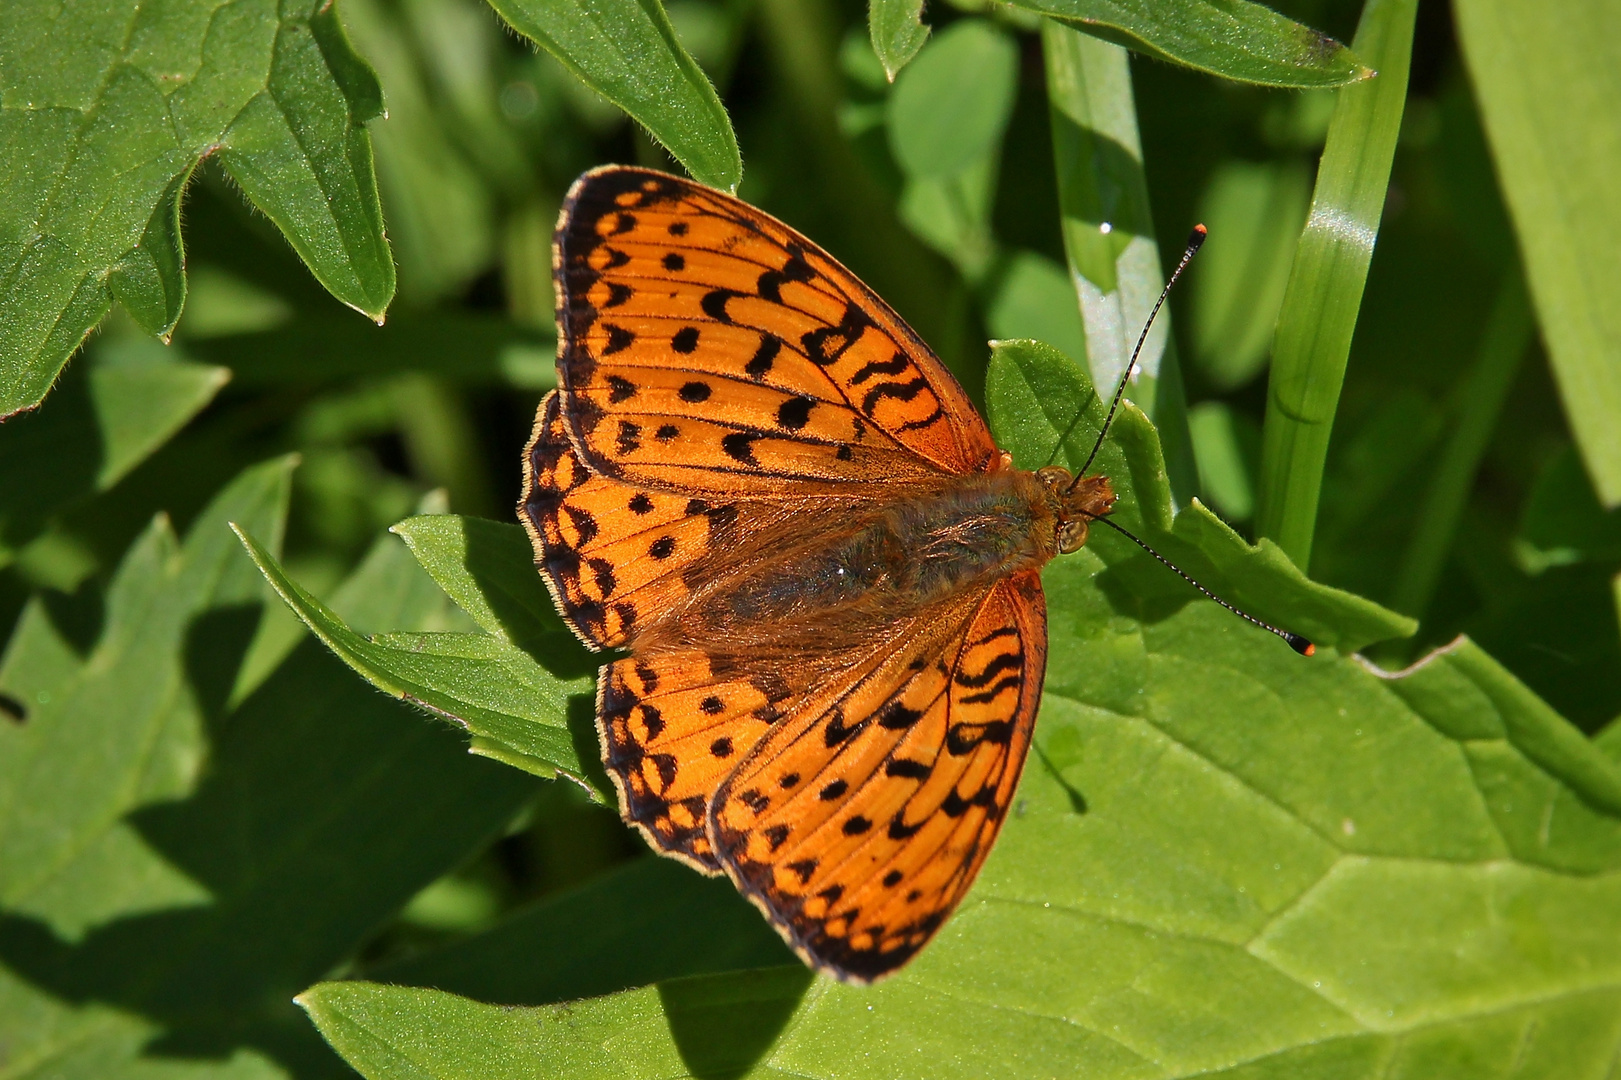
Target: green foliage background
[(1223, 860)]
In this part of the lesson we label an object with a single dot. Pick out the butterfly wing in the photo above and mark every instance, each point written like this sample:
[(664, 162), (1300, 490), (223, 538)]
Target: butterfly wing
[(709, 348), (901, 779)]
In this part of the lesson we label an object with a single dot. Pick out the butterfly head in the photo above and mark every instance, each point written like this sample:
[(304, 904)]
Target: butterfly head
[(1075, 503)]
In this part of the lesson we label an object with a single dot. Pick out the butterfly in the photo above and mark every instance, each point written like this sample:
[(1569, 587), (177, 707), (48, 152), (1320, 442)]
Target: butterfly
[(760, 484)]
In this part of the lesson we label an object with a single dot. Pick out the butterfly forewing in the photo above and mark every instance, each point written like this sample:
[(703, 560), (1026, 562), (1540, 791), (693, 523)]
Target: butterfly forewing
[(711, 348), (857, 827)]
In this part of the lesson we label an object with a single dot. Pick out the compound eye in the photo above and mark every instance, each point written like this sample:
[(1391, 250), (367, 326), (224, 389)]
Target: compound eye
[(1071, 536)]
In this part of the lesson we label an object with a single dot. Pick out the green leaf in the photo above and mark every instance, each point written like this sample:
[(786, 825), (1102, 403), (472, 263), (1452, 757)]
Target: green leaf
[(493, 688), (1109, 232), (1550, 96), (897, 31), (1232, 38), (177, 867), (105, 419), (626, 50), (106, 110), (1222, 860), (1320, 306)]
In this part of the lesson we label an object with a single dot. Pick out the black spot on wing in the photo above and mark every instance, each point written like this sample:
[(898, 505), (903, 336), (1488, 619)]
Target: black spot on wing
[(794, 413), (685, 340)]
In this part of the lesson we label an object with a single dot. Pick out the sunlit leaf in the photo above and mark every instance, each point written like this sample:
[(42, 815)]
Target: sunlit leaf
[(105, 110), (1223, 860)]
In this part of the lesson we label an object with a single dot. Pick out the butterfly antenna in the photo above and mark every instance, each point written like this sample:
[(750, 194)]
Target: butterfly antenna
[(1195, 241), (1301, 645)]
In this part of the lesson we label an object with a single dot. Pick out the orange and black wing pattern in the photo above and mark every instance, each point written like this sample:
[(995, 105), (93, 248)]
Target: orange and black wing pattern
[(859, 823), (709, 348)]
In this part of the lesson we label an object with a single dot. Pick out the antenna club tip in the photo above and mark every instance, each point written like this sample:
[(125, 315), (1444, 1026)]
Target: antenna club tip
[(1196, 239), (1300, 644), (1200, 230)]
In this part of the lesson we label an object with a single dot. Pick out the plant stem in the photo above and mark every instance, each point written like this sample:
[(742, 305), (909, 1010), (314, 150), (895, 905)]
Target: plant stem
[(1109, 233), (1502, 346), (1313, 339)]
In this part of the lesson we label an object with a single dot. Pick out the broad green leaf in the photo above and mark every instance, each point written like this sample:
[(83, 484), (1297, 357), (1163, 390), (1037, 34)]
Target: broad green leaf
[(1313, 338), (626, 50), (1235, 39), (1223, 860), (1254, 213), (897, 31), (462, 347), (527, 715), (1109, 232), (175, 867), (105, 419), (105, 110), (1549, 91)]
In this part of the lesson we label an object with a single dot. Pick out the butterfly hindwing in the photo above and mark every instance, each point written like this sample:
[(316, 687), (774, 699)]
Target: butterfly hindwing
[(710, 348), (901, 782), (672, 729)]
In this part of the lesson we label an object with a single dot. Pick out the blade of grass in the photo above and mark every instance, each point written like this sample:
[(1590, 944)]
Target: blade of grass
[(1549, 90), (1502, 346), (1109, 233), (1313, 338)]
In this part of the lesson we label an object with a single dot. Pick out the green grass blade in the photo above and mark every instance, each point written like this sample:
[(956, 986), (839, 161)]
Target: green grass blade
[(1548, 84), (1502, 347), (1109, 232), (626, 50), (1232, 38), (1313, 338)]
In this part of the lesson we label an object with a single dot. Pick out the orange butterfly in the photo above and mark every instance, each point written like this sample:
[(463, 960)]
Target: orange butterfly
[(761, 483)]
